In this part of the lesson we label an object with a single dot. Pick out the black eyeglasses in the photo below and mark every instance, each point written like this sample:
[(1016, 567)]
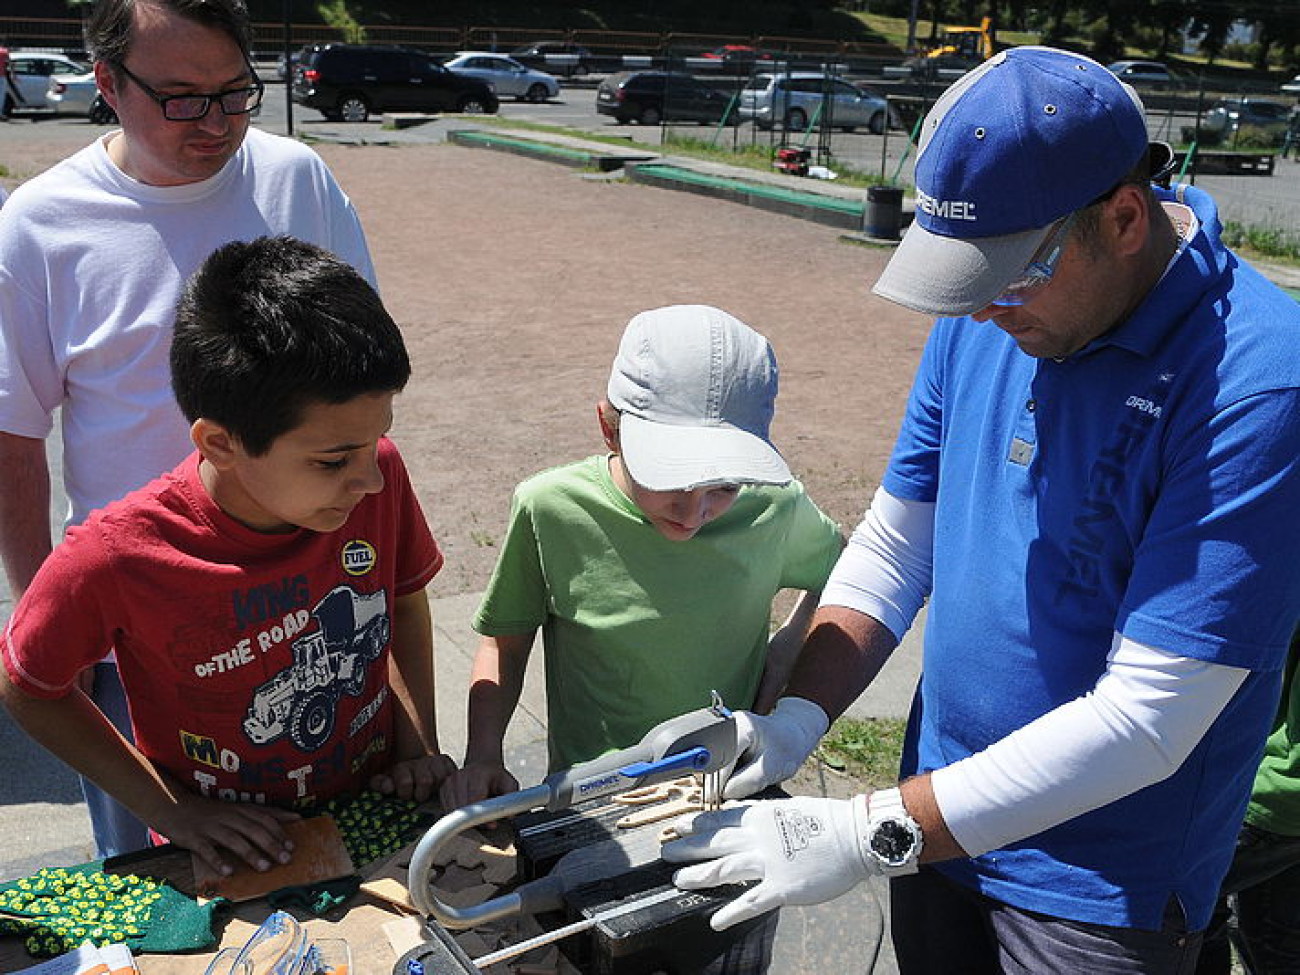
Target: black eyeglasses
[(191, 108)]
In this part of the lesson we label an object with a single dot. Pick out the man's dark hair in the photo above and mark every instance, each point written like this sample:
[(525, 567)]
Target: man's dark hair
[(109, 28), (268, 327)]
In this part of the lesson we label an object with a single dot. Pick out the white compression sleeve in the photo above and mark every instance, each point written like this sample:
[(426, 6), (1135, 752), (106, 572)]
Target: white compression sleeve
[(885, 569), (1135, 728)]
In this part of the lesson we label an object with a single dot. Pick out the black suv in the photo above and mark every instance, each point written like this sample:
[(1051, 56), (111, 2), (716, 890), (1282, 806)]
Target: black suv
[(350, 82), (650, 97)]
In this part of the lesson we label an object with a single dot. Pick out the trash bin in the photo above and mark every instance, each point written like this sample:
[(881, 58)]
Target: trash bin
[(883, 215)]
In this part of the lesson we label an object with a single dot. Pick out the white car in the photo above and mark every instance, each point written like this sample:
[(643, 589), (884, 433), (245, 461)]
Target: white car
[(1151, 73), (74, 94), (506, 75), (1292, 87), (32, 71)]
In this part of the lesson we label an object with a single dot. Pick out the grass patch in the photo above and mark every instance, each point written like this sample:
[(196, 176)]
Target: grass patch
[(865, 749), (1263, 243), (759, 158)]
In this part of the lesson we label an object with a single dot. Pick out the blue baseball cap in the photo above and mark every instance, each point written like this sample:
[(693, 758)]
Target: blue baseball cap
[(1031, 135)]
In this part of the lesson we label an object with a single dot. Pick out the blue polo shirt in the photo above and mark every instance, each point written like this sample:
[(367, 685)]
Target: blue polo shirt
[(1150, 484)]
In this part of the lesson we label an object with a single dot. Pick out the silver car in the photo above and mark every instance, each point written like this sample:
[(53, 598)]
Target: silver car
[(32, 71), (506, 75), (801, 98), (71, 94)]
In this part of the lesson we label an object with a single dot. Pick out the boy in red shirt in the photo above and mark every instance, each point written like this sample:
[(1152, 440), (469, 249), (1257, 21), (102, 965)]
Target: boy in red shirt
[(266, 598)]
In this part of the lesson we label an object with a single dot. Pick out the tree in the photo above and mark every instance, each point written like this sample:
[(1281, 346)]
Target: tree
[(337, 14)]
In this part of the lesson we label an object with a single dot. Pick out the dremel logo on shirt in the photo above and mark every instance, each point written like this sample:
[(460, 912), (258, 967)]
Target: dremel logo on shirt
[(1092, 528)]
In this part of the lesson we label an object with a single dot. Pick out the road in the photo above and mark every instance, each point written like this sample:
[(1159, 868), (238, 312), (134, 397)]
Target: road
[(1269, 203)]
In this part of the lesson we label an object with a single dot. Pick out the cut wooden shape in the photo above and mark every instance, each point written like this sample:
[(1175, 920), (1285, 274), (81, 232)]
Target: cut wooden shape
[(469, 897), (500, 871), (319, 854), (404, 934), (680, 805), (390, 890)]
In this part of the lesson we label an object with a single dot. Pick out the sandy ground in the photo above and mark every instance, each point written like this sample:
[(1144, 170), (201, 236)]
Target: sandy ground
[(513, 279)]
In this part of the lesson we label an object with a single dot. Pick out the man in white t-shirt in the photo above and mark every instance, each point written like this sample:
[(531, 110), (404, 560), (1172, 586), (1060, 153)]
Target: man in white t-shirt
[(93, 253)]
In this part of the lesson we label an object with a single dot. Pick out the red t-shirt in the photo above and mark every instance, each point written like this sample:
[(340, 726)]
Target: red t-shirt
[(255, 665)]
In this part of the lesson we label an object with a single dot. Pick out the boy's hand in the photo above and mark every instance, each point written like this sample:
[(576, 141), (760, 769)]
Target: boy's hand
[(477, 780), (223, 833), (414, 778)]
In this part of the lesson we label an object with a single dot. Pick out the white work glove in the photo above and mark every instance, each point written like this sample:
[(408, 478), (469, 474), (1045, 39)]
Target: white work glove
[(770, 748), (804, 851)]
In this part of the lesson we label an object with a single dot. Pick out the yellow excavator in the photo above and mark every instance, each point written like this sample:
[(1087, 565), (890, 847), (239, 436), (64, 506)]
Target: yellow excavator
[(958, 49)]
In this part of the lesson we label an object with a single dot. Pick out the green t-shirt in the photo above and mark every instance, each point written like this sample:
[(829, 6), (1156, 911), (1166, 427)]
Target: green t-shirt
[(1275, 800), (636, 628)]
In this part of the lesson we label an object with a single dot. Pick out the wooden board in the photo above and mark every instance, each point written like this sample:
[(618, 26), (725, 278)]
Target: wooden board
[(319, 854)]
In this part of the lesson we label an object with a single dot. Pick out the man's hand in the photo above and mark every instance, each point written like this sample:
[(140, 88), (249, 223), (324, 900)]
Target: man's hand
[(414, 778), (804, 851), (477, 780), (221, 833), (770, 748)]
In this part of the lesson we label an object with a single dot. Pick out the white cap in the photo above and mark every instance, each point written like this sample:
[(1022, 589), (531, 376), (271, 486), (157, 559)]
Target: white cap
[(696, 388)]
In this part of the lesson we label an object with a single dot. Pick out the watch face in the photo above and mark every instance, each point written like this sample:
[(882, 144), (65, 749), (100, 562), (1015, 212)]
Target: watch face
[(892, 841)]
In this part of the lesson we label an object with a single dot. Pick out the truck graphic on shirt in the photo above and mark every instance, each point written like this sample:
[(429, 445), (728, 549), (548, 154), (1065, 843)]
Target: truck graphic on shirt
[(301, 701)]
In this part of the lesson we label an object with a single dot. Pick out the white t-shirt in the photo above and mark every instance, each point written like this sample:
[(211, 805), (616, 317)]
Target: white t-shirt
[(92, 263)]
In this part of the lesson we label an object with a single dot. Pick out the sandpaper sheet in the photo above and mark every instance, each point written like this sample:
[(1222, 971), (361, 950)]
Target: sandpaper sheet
[(319, 854)]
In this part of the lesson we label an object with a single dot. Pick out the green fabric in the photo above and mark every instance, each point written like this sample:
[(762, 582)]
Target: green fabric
[(638, 629), (57, 908), (1275, 800), (315, 899), (374, 825)]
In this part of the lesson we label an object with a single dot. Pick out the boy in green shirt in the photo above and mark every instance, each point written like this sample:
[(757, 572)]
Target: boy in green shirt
[(651, 570)]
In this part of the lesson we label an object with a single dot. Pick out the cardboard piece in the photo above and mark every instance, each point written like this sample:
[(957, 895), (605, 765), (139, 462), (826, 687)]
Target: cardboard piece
[(319, 854)]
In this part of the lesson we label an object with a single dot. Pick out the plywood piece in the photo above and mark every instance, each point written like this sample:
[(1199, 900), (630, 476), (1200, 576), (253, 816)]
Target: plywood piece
[(319, 854), (500, 870), (469, 897), (390, 891), (404, 934), (456, 878)]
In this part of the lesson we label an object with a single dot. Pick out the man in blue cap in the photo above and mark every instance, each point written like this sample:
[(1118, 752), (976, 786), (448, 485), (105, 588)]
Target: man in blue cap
[(1097, 497)]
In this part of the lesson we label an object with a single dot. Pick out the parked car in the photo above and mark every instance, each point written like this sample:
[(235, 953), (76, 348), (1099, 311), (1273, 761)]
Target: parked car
[(351, 82), (71, 94), (285, 67), (32, 71), (650, 97), (1292, 87), (1151, 73), (563, 58), (101, 112), (506, 75), (1229, 119), (799, 98), (737, 57)]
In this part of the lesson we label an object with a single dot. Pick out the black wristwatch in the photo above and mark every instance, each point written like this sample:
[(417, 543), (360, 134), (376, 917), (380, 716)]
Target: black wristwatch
[(893, 837)]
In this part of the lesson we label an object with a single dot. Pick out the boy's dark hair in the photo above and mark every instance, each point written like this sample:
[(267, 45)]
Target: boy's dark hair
[(267, 327), (109, 28)]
